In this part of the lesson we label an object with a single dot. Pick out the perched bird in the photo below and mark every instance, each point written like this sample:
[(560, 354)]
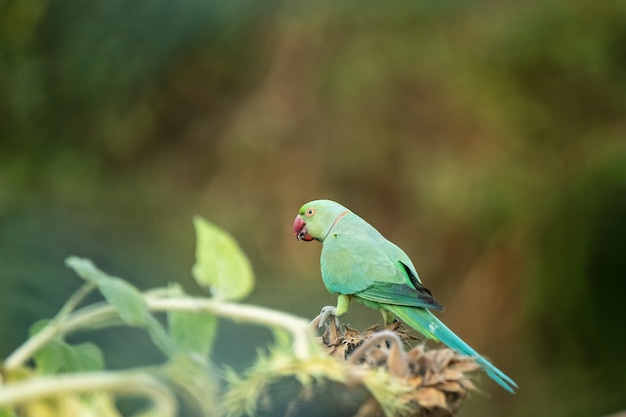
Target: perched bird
[(358, 263)]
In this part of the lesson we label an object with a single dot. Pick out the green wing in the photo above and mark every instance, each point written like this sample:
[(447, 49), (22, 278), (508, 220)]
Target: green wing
[(400, 294), (362, 263)]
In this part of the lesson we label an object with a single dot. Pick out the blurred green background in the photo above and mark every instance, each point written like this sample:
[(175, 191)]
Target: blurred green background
[(486, 139)]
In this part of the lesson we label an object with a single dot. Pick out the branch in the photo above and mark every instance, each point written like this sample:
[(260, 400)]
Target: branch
[(164, 403), (298, 327), (98, 313)]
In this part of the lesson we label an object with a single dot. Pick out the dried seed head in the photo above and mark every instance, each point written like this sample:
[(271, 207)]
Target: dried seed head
[(373, 373), (436, 380)]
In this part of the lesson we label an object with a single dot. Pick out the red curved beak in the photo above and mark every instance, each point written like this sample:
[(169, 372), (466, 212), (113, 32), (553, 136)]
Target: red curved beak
[(299, 228)]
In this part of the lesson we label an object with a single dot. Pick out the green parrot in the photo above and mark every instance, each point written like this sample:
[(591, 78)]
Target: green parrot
[(358, 263)]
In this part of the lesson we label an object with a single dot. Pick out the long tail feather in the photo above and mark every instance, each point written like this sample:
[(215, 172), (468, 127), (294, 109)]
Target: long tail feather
[(430, 326)]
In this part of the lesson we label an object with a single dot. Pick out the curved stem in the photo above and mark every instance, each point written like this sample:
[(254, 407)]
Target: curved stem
[(242, 312), (72, 322), (102, 312), (131, 383), (30, 346), (34, 343), (74, 300)]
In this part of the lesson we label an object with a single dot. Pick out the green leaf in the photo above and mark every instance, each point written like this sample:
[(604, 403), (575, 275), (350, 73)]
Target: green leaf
[(220, 264), (159, 336), (192, 332), (49, 359), (37, 326), (83, 357), (196, 381), (127, 300), (59, 356)]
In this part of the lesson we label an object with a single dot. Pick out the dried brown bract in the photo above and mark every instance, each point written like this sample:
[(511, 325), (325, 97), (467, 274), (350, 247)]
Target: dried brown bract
[(438, 378)]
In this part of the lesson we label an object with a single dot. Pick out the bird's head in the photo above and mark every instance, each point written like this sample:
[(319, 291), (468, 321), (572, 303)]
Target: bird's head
[(316, 218)]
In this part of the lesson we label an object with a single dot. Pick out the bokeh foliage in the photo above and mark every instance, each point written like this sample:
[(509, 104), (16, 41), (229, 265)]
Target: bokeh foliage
[(487, 139)]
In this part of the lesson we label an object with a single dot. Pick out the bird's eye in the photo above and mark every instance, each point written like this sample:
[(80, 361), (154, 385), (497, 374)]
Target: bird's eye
[(309, 212)]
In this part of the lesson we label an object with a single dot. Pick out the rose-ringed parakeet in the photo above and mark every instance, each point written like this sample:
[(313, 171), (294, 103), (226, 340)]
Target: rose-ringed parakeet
[(357, 262)]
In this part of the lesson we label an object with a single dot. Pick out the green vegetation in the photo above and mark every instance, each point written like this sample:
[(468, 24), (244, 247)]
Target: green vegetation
[(63, 372), (486, 139)]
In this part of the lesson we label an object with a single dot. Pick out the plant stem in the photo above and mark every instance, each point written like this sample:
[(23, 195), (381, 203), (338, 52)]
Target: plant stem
[(133, 383), (55, 327), (30, 346), (98, 313), (297, 326), (49, 332), (74, 300)]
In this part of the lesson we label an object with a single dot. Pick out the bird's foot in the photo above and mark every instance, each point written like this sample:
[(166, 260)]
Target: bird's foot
[(327, 316), (327, 313), (334, 330)]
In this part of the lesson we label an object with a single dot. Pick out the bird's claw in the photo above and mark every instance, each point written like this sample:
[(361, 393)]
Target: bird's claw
[(326, 314), (328, 319)]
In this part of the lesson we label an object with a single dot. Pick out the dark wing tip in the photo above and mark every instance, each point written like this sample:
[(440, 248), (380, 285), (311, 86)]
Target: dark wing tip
[(424, 293), (435, 305)]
